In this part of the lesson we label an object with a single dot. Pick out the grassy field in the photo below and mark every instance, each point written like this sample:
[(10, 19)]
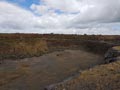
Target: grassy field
[(13, 46), (33, 61), (21, 48)]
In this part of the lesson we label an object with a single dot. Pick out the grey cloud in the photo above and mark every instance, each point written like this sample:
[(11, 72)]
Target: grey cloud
[(95, 17), (12, 25)]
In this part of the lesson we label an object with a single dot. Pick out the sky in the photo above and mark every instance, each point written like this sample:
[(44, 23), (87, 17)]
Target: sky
[(60, 16)]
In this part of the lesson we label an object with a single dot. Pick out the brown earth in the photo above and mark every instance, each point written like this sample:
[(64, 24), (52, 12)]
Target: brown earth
[(38, 72)]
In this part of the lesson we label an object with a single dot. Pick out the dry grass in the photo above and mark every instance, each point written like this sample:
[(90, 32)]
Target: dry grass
[(12, 48), (31, 49), (104, 77), (116, 47), (28, 45)]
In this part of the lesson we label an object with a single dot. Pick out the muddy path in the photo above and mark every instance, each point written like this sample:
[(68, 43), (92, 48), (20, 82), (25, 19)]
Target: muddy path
[(38, 72)]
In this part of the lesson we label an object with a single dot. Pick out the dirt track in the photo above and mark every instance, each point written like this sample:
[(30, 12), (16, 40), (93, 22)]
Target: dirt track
[(37, 72)]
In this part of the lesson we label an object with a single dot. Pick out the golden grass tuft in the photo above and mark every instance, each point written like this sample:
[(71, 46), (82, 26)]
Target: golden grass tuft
[(31, 49), (22, 48), (117, 48)]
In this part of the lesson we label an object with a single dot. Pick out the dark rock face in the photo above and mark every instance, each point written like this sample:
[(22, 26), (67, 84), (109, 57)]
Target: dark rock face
[(111, 55), (51, 87)]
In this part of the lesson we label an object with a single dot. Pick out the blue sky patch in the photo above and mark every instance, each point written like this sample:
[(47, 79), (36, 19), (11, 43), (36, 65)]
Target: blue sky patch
[(25, 3)]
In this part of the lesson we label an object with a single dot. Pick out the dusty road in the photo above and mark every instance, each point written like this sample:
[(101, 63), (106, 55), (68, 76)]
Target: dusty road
[(37, 72)]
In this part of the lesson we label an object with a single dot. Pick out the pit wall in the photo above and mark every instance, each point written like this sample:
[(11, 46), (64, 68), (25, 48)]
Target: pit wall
[(96, 47), (26, 48)]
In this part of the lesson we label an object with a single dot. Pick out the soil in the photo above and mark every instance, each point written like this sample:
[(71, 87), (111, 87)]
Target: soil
[(38, 72)]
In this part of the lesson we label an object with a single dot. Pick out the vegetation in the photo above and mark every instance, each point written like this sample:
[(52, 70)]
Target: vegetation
[(21, 48), (116, 47), (13, 46), (104, 77), (17, 46)]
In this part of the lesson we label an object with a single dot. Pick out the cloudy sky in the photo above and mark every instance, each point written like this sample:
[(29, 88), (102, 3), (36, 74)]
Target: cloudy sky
[(60, 16)]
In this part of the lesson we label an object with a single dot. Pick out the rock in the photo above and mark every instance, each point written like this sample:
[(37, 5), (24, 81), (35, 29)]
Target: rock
[(49, 87), (112, 55)]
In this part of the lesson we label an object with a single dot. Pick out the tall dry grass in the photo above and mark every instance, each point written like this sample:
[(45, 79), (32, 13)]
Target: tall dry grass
[(30, 49), (13, 48)]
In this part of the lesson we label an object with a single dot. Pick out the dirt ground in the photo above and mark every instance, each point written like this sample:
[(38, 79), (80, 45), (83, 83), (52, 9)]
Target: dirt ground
[(38, 72)]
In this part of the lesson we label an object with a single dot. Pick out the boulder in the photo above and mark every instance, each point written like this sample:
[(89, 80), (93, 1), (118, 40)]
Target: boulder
[(112, 54)]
